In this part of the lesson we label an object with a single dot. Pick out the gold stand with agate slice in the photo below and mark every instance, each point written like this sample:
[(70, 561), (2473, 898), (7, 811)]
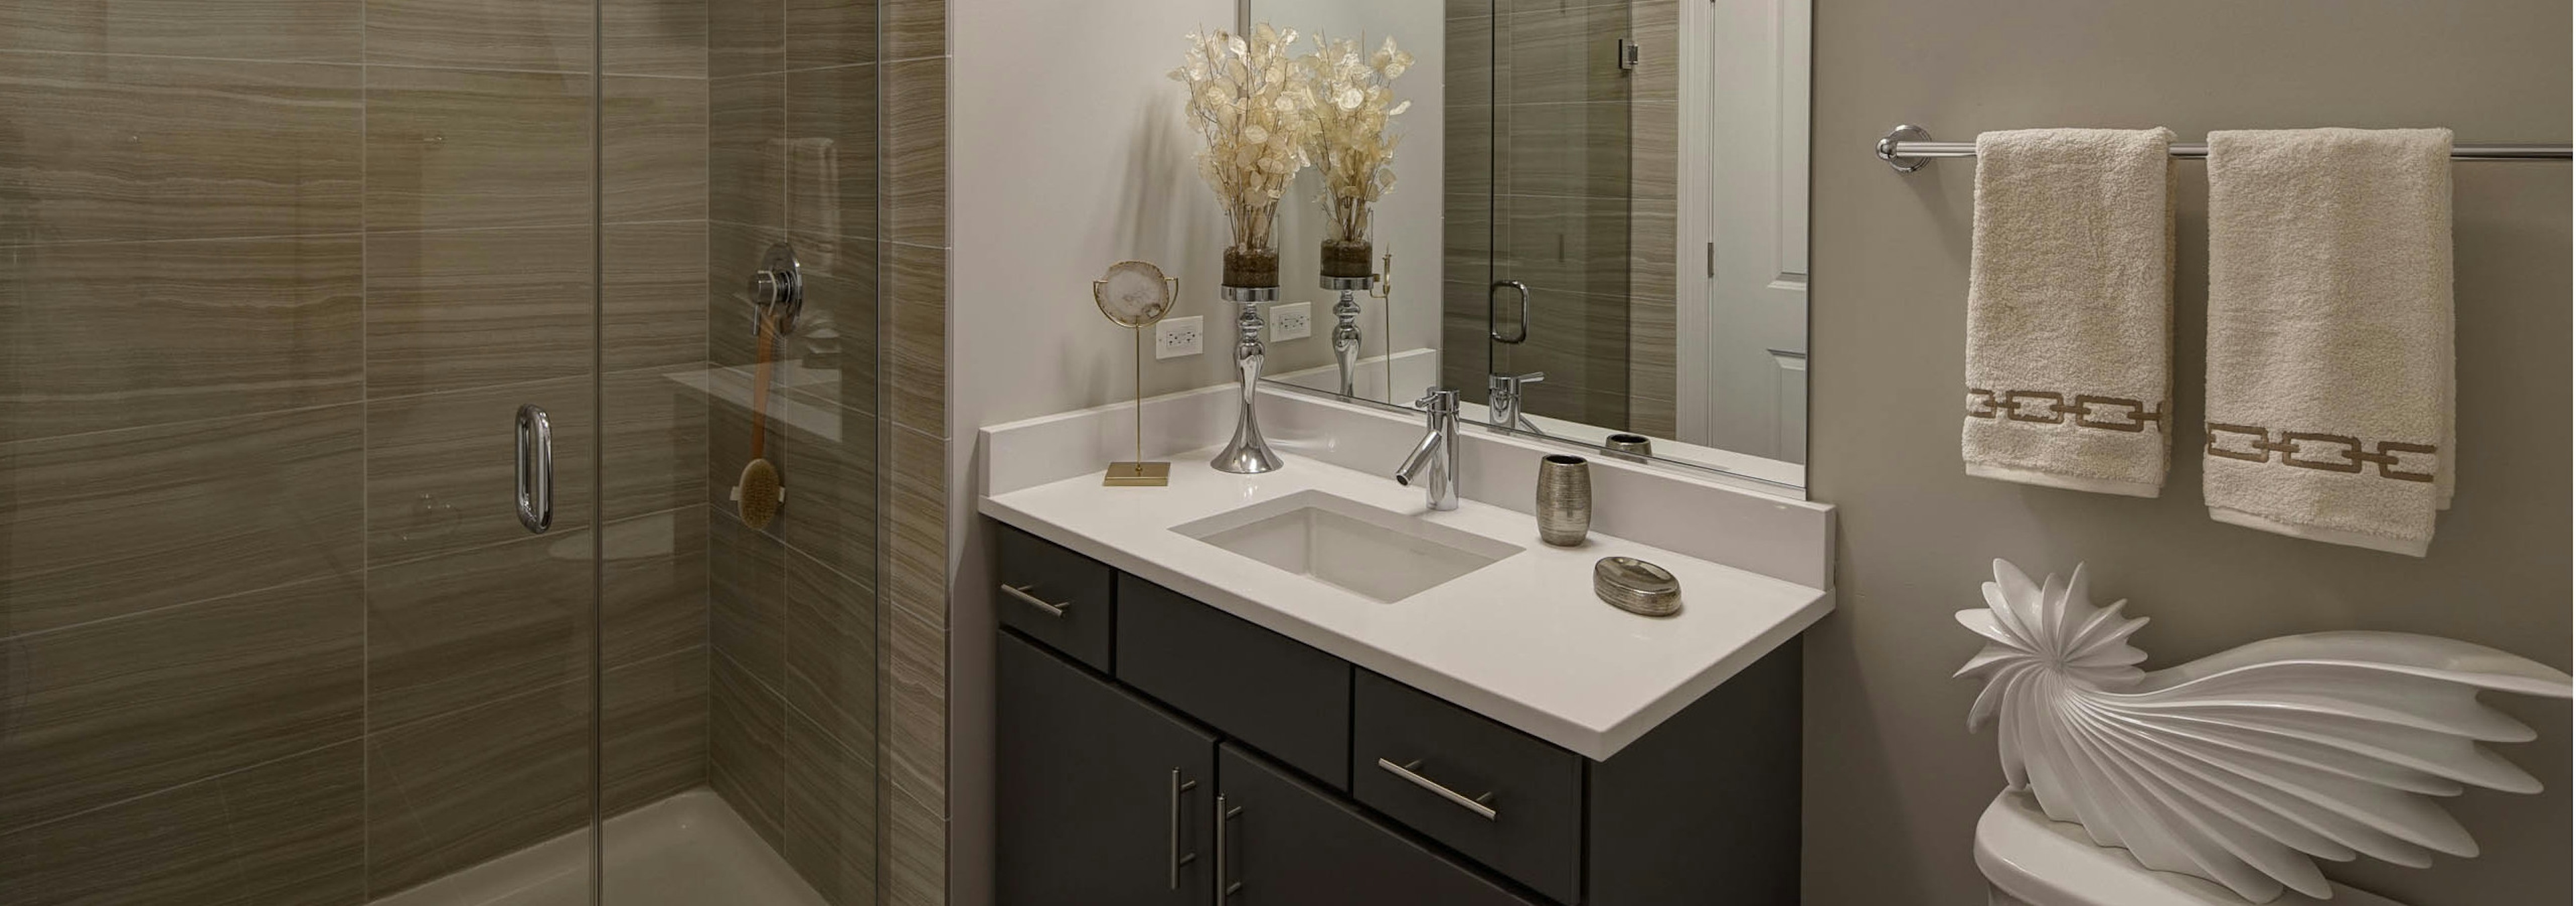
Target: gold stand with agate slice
[(1134, 295)]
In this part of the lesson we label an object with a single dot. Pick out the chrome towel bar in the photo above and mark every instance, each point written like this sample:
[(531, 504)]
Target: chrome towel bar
[(1909, 148)]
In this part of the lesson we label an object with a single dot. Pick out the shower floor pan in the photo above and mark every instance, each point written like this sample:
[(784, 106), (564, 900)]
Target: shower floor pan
[(687, 850)]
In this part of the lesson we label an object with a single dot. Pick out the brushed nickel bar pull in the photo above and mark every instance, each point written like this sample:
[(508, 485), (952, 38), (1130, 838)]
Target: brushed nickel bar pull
[(1909, 148), (1022, 592), (1223, 815), (1405, 771), (1179, 858)]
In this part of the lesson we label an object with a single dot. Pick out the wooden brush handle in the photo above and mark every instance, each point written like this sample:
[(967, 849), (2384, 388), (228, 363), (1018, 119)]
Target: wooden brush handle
[(760, 389)]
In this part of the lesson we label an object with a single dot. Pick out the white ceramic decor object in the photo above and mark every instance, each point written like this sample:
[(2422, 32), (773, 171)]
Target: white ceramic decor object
[(2243, 766)]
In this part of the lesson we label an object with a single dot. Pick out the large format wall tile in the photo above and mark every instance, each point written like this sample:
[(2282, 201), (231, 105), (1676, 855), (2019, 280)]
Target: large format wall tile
[(460, 629), (916, 519), (115, 335), (832, 652), (543, 35), (831, 32), (1568, 149), (915, 847), (452, 791), (115, 709), (915, 28), (472, 308), (914, 754), (747, 150), (746, 738), (1467, 163), (284, 833), (917, 151), (1555, 53), (1565, 244), (831, 164), (831, 824), (653, 730), (653, 309), (313, 30), (653, 600), (836, 345), (746, 36), (1656, 27), (114, 147), (747, 600), (654, 37), (299, 828), (831, 514), (450, 149), (656, 454), (917, 352), (439, 471), (117, 522), (653, 156)]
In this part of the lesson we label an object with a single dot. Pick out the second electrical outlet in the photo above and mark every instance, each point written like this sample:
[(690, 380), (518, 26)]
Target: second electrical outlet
[(1292, 320)]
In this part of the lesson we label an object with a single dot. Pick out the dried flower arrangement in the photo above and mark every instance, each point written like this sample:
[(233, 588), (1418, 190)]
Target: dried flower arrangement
[(1351, 146), (1250, 101)]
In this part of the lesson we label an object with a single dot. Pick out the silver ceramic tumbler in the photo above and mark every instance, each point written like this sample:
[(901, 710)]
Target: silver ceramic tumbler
[(1564, 499)]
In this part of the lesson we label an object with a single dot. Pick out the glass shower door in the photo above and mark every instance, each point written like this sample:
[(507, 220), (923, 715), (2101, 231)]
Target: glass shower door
[(277, 284), (1561, 188)]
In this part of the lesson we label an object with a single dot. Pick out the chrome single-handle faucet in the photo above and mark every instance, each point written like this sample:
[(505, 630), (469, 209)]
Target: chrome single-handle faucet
[(1503, 395), (1433, 464)]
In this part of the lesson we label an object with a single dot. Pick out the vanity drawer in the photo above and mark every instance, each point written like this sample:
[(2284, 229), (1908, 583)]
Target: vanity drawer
[(1058, 597), (1270, 691), (1500, 796)]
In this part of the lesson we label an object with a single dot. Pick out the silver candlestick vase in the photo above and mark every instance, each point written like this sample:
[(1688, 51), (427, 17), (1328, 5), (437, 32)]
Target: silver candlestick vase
[(1248, 453)]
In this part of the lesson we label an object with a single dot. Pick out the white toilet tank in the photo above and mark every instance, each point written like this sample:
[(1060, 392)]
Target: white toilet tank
[(2030, 860)]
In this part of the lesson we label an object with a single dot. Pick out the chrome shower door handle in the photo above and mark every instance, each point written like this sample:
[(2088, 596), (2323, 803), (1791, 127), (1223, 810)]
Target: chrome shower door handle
[(536, 469), (1520, 328)]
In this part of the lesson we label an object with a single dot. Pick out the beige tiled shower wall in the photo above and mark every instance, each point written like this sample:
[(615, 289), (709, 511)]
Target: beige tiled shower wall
[(273, 277), (1560, 176), (916, 696), (830, 668)]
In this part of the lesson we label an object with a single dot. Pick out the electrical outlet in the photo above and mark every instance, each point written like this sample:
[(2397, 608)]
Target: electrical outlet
[(1292, 321), (1177, 337)]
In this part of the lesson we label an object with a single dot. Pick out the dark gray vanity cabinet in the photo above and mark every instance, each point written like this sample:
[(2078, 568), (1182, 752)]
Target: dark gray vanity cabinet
[(1273, 693), (1107, 797), (1288, 842), (1163, 751)]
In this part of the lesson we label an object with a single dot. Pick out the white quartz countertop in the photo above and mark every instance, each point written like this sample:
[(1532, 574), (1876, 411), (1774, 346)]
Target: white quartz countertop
[(1522, 640)]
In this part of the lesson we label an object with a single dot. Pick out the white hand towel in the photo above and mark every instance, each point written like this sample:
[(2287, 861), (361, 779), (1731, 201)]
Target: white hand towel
[(2070, 310), (2330, 334)]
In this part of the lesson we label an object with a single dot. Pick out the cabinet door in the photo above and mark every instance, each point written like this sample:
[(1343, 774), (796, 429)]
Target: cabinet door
[(1287, 842), (1102, 796)]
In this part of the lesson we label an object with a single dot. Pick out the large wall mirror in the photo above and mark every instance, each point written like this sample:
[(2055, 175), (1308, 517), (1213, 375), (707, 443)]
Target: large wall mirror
[(1600, 221)]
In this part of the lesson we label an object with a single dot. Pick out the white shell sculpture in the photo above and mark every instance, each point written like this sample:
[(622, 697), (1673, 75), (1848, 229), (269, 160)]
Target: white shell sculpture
[(2243, 766)]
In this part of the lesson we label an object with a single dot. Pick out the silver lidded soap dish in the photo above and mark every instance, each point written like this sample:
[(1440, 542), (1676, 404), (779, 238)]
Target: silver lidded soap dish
[(1637, 586)]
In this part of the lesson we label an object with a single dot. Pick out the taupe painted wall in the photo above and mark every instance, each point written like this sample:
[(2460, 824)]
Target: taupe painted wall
[(1894, 779)]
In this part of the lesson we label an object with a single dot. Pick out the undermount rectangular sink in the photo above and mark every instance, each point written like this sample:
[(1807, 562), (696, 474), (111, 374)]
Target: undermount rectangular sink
[(1376, 553)]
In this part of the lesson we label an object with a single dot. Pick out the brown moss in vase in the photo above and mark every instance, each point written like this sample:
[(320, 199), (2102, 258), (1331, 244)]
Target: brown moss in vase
[(1346, 259), (1251, 269)]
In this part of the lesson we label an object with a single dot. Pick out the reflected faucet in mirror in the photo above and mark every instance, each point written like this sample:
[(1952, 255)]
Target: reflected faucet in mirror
[(1503, 401)]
